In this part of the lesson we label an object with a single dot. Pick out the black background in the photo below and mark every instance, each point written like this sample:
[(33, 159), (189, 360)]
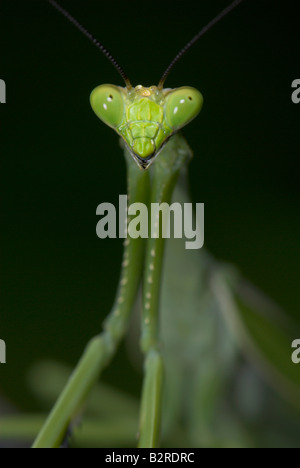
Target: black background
[(58, 161)]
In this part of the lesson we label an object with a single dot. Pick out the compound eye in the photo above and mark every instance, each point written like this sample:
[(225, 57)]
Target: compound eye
[(182, 106), (108, 104)]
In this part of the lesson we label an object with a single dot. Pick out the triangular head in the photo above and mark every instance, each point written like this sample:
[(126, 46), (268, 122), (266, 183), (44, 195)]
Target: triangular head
[(145, 117)]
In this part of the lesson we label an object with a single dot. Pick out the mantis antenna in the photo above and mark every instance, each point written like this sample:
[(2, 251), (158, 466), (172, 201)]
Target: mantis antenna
[(180, 54), (95, 41), (201, 33)]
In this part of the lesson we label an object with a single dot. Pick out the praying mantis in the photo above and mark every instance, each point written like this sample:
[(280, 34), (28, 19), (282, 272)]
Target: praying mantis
[(157, 181)]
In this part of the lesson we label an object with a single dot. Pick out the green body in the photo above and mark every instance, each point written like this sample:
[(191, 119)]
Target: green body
[(148, 120), (142, 259)]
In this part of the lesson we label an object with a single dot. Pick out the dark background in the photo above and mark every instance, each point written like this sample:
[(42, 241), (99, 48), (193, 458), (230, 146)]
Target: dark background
[(58, 161)]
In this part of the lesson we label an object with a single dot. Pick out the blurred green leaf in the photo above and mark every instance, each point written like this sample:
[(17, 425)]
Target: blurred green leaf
[(47, 379), (263, 331)]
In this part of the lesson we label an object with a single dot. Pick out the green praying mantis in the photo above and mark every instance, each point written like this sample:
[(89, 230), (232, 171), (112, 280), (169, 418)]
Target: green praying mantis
[(215, 312)]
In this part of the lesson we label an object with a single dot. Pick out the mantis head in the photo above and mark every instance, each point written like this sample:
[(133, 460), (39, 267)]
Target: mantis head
[(145, 118)]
